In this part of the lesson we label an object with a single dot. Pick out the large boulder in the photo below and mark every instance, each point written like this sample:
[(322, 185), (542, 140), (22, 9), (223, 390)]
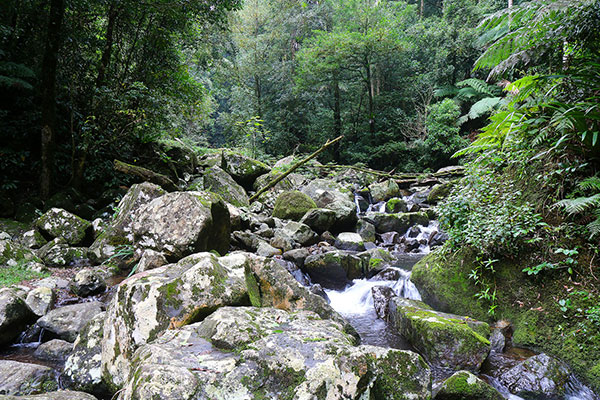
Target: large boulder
[(181, 223), (463, 385), (119, 232), (319, 219), (538, 377), (331, 195), (382, 191), (243, 169), (171, 296), (218, 181), (19, 379), (300, 233), (40, 300), (292, 205), (58, 395), (66, 322), (54, 350), (447, 341), (399, 222), (15, 315), (333, 269), (265, 353), (58, 253), (83, 369), (59, 223)]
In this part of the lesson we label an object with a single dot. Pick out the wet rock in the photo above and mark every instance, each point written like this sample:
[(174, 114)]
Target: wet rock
[(15, 315), (333, 269), (319, 219), (497, 341), (32, 239), (292, 205), (151, 259), (173, 295), (437, 239), (59, 223), (243, 169), (463, 385), (399, 222), (66, 322), (388, 274), (331, 195), (349, 241), (538, 377), (381, 300), (181, 223), (297, 256), (396, 205), (383, 191), (300, 233), (119, 232), (58, 395), (275, 354), (445, 340), (88, 282), (57, 253), (82, 369), (40, 300), (218, 181), (366, 230), (54, 350), (19, 379), (439, 192)]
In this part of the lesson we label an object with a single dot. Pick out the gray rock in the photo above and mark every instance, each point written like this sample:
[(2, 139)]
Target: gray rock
[(331, 195), (297, 256), (82, 369), (57, 253), (13, 253), (243, 169), (366, 230), (399, 222), (59, 223), (383, 191), (54, 350), (181, 223), (282, 241), (19, 379), (246, 240), (88, 282), (319, 219), (266, 250), (58, 395), (15, 315), (448, 341), (151, 259), (275, 354), (40, 300), (497, 341), (463, 385), (32, 239), (66, 322), (381, 300), (218, 181), (333, 269), (349, 241), (300, 233)]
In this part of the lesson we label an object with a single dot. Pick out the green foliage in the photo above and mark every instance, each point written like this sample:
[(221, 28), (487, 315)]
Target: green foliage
[(13, 275)]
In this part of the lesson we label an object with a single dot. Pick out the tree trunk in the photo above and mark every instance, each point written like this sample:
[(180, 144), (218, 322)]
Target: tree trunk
[(370, 93), (337, 116), (422, 9), (113, 12), (48, 94)]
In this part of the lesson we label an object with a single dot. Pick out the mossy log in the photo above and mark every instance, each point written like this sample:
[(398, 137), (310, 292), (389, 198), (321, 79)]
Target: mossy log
[(147, 175)]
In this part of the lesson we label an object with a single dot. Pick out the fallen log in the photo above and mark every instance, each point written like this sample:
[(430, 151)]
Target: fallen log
[(147, 175)]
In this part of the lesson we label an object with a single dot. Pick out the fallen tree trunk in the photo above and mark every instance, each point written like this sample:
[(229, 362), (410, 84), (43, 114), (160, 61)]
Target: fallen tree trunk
[(294, 167), (371, 171), (147, 175)]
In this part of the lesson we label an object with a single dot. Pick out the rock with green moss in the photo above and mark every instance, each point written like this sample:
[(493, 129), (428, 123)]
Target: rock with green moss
[(319, 219), (32, 239), (182, 223), (20, 379), (171, 296), (58, 395), (119, 231), (463, 385), (217, 181), (396, 205), (382, 191), (292, 205), (399, 222), (15, 315), (59, 223), (446, 340), (13, 253), (88, 282), (333, 269), (439, 192), (299, 233), (57, 253), (267, 353), (82, 369), (14, 229), (243, 169), (66, 322), (333, 196)]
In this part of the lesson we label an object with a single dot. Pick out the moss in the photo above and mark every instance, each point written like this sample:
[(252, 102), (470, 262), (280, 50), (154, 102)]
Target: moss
[(252, 287), (465, 386), (292, 205), (375, 263)]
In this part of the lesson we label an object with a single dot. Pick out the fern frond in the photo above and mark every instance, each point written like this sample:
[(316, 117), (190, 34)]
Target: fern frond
[(591, 183), (480, 86), (484, 106), (594, 227), (445, 91), (580, 204)]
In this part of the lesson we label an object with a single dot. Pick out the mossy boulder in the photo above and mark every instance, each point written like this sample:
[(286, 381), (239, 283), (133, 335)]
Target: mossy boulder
[(57, 253), (439, 192), (243, 169), (399, 222), (292, 205), (382, 191), (319, 219), (15, 315), (448, 341), (20, 379), (13, 228), (58, 395), (217, 181), (13, 253), (331, 195), (463, 385), (396, 205), (182, 223), (266, 353)]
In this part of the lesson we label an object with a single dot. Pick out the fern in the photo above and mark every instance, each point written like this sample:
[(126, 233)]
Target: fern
[(591, 183), (484, 106), (579, 204)]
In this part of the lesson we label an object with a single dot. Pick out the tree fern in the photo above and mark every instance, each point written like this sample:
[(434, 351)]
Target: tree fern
[(484, 106)]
